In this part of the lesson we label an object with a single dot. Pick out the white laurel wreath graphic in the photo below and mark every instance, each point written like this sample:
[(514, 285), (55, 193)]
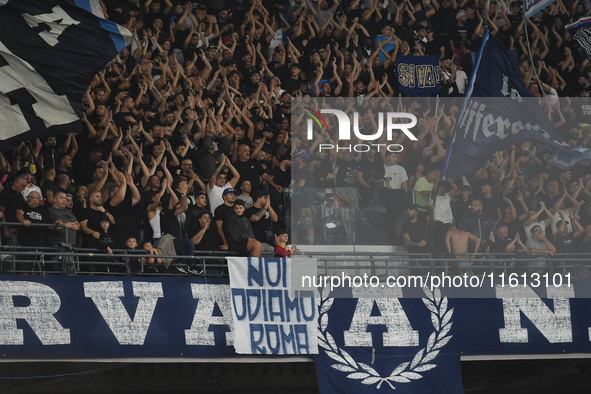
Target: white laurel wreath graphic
[(405, 372)]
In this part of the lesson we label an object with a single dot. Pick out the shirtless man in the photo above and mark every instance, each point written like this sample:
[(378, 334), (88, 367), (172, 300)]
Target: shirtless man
[(457, 241)]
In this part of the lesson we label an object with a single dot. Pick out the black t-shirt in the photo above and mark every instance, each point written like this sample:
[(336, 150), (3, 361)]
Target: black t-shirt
[(192, 226), (565, 244), (169, 224), (259, 227), (210, 241), (34, 236), (347, 172), (94, 223), (104, 241), (250, 171), (11, 200), (281, 178), (127, 218), (501, 244), (291, 84), (416, 231), (489, 206), (223, 213)]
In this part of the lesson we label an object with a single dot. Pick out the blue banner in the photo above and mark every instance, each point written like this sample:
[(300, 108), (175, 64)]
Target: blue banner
[(531, 7), (499, 112), (49, 52), (418, 75), (57, 317), (380, 349)]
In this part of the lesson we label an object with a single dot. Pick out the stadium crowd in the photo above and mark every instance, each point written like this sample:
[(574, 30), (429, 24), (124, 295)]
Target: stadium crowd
[(187, 134)]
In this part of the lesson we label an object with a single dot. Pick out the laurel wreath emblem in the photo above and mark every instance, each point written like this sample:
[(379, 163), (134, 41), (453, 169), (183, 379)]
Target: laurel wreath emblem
[(405, 372)]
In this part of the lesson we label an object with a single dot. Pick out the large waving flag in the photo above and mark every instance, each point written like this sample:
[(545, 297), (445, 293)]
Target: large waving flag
[(499, 112), (581, 31), (49, 52)]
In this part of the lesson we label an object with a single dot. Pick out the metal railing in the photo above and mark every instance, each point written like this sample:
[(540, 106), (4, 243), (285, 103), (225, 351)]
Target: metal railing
[(51, 226), (386, 264), (67, 260)]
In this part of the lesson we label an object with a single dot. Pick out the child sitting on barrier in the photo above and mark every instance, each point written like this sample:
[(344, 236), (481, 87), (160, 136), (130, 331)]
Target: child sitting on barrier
[(152, 264)]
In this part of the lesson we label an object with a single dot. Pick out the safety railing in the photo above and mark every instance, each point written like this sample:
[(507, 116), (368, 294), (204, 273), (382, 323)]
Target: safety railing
[(49, 226), (66, 260)]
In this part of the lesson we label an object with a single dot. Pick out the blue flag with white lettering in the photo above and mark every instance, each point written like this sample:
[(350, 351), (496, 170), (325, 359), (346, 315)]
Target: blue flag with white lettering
[(49, 52), (498, 112), (398, 345), (418, 75)]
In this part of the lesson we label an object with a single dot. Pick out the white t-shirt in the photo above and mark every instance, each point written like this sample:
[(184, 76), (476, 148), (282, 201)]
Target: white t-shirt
[(397, 175), (531, 243), (461, 78), (442, 212), (215, 195)]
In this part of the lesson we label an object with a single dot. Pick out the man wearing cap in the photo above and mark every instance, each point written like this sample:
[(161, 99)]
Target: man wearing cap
[(223, 213), (262, 218), (460, 33), (218, 183), (212, 56)]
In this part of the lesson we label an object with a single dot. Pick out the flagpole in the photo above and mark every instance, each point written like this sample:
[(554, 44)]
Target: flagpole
[(437, 105), (531, 59)]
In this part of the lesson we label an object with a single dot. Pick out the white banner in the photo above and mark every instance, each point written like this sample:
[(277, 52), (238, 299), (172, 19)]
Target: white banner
[(270, 315)]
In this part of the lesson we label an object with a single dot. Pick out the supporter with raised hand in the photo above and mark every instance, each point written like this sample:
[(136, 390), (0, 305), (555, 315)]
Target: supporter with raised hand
[(218, 182), (533, 221)]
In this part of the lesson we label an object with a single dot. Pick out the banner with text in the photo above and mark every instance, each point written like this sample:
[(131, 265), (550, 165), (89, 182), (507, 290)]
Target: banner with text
[(270, 315), (103, 317), (418, 75)]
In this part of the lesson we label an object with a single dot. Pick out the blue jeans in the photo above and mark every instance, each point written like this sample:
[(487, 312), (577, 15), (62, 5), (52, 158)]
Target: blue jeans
[(184, 247)]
